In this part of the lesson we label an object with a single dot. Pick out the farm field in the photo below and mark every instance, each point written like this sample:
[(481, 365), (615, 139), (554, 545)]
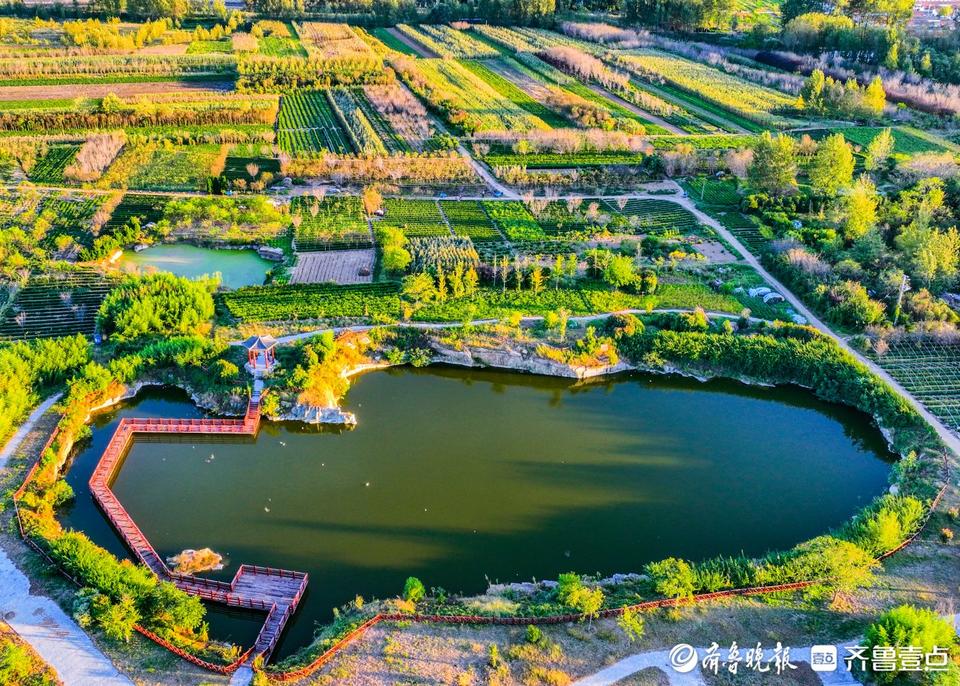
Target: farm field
[(329, 224), (143, 208), (307, 124), (49, 168), (930, 370), (417, 218), (656, 216), (183, 169), (484, 108), (55, 306), (334, 266), (756, 103), (468, 218)]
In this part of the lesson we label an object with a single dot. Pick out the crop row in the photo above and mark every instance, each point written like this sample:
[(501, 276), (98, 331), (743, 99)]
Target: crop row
[(450, 42), (49, 168), (514, 220), (307, 123), (468, 218), (464, 99), (363, 136), (55, 307), (312, 301), (750, 100), (414, 217)]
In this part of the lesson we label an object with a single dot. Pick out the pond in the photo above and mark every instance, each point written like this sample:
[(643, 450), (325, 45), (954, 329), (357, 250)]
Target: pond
[(460, 476), (237, 267)]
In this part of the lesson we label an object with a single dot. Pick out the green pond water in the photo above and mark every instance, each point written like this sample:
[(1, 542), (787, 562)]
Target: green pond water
[(462, 476), (237, 267)]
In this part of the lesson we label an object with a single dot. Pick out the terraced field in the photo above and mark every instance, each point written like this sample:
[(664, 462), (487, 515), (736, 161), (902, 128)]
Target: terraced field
[(55, 306)]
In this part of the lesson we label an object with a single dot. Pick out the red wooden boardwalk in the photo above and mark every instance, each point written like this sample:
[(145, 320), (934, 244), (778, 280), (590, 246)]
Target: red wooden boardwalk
[(274, 591)]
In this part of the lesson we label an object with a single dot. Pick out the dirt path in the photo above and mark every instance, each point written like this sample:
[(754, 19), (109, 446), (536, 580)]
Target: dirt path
[(416, 46), (654, 119), (949, 438), (694, 109), (38, 620), (99, 90), (488, 178), (26, 427)]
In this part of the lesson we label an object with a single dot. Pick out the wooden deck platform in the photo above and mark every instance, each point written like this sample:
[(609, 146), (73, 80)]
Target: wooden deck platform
[(274, 591)]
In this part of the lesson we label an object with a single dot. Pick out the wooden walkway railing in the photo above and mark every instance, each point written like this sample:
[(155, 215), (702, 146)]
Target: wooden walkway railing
[(274, 591)]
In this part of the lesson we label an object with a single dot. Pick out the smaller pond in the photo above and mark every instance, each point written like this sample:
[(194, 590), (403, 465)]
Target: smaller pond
[(236, 267)]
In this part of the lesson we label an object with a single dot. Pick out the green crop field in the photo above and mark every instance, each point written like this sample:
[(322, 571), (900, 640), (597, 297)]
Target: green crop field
[(307, 123), (415, 217), (468, 218)]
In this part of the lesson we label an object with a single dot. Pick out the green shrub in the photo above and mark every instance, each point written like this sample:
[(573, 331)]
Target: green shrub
[(413, 590), (908, 626), (672, 578)]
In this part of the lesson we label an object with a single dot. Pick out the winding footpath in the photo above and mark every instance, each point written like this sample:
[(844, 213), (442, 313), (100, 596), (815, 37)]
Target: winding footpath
[(946, 435), (41, 622)]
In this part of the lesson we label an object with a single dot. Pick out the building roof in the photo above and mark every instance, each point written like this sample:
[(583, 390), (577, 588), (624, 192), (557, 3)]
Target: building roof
[(260, 343)]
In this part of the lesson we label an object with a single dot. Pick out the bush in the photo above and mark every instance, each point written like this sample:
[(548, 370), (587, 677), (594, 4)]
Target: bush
[(908, 626), (672, 578), (157, 304), (413, 590)]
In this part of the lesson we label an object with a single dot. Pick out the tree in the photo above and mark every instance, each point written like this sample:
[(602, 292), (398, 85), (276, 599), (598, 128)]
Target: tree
[(572, 592), (160, 303), (526, 11), (909, 627), (878, 151), (832, 167), (934, 255), (419, 288), (372, 200), (812, 90), (774, 167), (396, 257), (840, 565), (413, 590), (631, 623), (874, 97), (619, 271), (672, 578), (859, 208), (118, 618)]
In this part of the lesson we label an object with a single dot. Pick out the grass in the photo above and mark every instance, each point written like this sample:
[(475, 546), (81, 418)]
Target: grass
[(201, 47), (511, 91), (392, 42), (275, 46)]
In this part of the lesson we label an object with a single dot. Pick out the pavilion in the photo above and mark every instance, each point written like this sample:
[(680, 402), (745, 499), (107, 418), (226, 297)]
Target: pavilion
[(261, 354)]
